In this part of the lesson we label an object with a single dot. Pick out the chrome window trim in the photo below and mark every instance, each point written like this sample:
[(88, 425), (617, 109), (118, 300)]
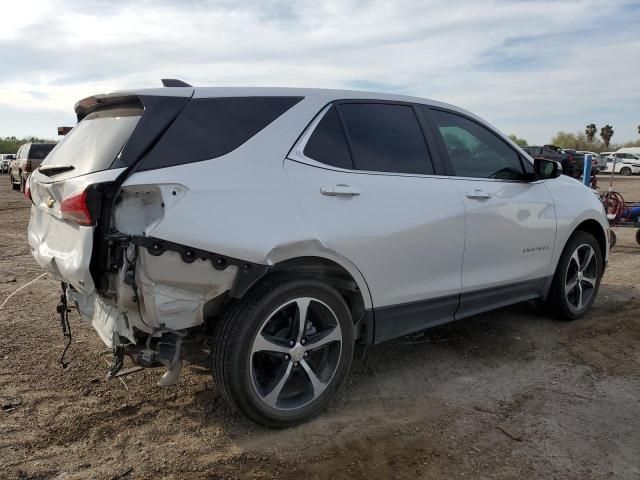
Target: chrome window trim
[(297, 154)]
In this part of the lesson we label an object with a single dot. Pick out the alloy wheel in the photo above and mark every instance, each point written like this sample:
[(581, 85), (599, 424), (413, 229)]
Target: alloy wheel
[(581, 278), (295, 353)]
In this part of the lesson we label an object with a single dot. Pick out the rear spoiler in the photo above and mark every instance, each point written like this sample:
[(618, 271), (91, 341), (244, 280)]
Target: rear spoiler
[(87, 105), (177, 88)]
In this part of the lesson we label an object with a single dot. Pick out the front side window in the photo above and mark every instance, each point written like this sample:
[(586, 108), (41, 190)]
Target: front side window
[(475, 151), (385, 138)]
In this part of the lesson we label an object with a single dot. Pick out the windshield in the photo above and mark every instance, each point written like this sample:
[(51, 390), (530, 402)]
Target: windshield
[(92, 145)]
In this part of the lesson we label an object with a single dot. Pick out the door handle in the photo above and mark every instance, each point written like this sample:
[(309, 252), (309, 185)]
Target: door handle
[(340, 190), (478, 195)]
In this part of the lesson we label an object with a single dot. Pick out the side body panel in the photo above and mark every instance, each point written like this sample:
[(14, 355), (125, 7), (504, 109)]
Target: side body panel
[(510, 235), (405, 233)]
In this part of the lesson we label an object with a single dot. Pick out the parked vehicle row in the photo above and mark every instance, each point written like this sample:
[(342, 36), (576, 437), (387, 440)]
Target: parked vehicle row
[(626, 159), (572, 162), (277, 227)]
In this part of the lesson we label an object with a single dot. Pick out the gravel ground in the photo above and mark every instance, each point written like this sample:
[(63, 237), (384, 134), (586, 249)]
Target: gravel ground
[(509, 394)]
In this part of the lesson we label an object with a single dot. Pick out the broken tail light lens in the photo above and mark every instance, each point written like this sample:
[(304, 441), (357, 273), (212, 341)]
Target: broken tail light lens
[(27, 190), (75, 209)]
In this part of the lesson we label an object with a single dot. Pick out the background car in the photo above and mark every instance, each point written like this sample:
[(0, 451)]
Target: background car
[(552, 152), (627, 158), (5, 162), (598, 163), (622, 168), (28, 158)]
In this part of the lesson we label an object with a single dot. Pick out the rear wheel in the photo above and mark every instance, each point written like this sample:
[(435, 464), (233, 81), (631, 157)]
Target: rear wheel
[(626, 171), (281, 353), (638, 236), (577, 278)]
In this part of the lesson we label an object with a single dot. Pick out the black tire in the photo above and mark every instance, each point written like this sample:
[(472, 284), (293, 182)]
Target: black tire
[(557, 303), (233, 358), (14, 186), (638, 236), (613, 239), (626, 171)]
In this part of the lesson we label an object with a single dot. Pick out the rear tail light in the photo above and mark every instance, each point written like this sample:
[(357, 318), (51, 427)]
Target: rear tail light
[(27, 167), (75, 209)]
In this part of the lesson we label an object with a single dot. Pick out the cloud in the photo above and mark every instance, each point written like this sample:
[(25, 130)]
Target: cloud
[(529, 67)]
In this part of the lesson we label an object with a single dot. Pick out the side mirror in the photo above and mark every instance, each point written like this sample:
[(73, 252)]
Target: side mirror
[(545, 169)]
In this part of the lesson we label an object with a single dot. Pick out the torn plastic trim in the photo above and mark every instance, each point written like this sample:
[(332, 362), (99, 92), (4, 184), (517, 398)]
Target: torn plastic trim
[(248, 272), (159, 113)]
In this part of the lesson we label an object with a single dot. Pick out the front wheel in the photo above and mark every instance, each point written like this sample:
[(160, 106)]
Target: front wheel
[(626, 171), (577, 278), (281, 353)]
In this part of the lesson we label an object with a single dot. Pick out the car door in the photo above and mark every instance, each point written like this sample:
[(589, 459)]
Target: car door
[(510, 222), (364, 176)]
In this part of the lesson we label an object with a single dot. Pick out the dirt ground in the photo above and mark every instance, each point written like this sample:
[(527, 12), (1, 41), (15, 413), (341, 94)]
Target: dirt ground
[(509, 394)]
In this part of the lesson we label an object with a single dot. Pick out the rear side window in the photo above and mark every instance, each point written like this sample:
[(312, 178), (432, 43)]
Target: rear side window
[(475, 151), (39, 151), (211, 127), (93, 144), (385, 138), (328, 144)]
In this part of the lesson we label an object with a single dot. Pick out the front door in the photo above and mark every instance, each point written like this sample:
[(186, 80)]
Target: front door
[(510, 220)]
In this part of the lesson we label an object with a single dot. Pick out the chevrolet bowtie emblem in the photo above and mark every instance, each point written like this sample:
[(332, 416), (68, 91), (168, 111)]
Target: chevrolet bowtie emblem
[(50, 202)]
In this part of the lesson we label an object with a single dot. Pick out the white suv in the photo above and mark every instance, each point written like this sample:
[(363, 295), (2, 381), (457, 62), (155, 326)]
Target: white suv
[(281, 226)]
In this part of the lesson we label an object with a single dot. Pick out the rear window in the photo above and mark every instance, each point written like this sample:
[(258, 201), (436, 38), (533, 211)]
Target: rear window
[(93, 144), (209, 128), (328, 144), (38, 151), (386, 138)]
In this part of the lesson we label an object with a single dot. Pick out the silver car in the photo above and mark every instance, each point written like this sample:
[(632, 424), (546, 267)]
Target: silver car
[(278, 227)]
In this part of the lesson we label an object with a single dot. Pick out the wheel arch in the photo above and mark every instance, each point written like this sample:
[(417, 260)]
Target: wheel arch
[(335, 275), (314, 258), (594, 228)]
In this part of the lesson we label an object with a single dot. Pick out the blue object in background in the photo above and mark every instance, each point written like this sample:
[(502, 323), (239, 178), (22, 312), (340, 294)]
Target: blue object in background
[(586, 172)]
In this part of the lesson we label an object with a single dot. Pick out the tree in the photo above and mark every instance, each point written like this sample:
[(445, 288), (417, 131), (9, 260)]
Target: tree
[(638, 129), (520, 141), (577, 141), (606, 133), (591, 131), (11, 144)]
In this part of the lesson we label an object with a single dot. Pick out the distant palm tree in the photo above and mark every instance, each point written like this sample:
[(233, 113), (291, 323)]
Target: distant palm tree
[(606, 133), (591, 131)]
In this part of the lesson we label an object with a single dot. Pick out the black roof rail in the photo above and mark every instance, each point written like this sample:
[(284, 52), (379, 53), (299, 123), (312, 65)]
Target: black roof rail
[(174, 82)]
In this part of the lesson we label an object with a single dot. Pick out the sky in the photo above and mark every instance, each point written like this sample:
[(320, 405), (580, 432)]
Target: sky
[(529, 67)]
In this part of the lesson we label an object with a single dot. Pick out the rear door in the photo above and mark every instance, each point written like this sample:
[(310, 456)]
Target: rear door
[(510, 222), (365, 178)]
